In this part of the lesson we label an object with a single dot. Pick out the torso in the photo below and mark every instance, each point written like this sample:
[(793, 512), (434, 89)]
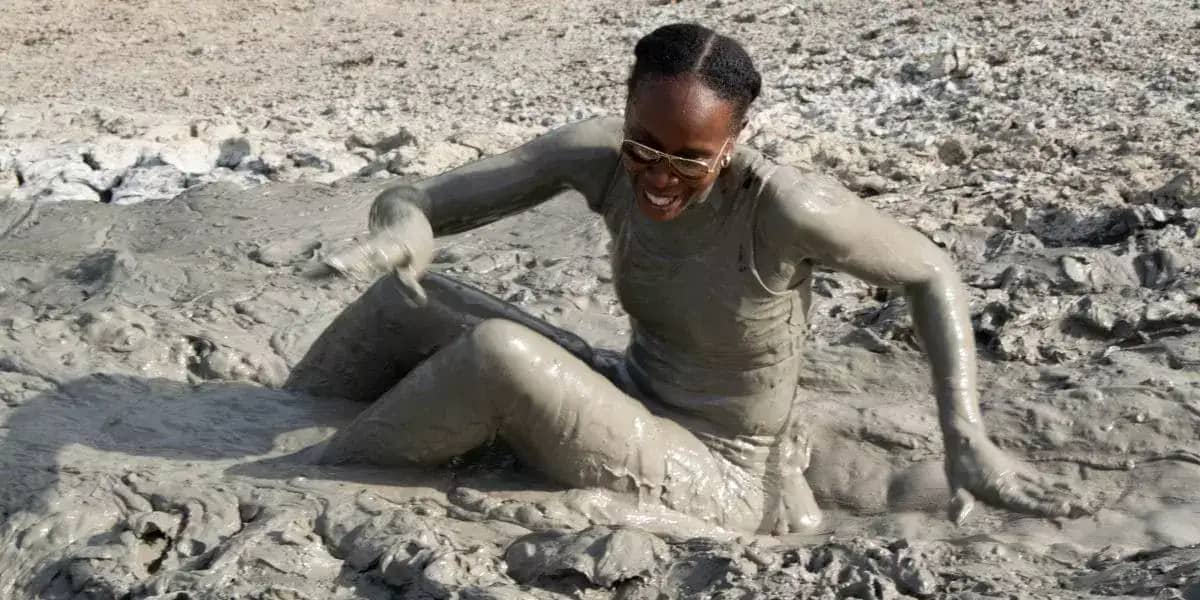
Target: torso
[(717, 318)]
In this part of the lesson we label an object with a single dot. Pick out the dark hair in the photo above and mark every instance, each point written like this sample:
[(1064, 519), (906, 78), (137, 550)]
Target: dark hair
[(719, 61)]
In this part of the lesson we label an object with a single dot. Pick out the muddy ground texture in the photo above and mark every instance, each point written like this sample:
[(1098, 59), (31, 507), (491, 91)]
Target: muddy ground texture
[(167, 172)]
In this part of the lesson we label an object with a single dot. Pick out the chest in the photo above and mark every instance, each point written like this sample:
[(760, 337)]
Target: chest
[(693, 281)]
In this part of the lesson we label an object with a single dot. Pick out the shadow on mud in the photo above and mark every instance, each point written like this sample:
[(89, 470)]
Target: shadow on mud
[(119, 423), (84, 420)]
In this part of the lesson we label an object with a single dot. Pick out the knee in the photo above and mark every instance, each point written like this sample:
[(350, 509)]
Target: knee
[(503, 348), (510, 360)]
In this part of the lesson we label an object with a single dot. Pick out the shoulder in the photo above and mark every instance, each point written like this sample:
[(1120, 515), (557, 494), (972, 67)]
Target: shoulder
[(800, 197), (813, 213), (785, 188)]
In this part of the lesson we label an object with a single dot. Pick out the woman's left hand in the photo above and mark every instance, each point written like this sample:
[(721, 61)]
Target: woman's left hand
[(977, 469)]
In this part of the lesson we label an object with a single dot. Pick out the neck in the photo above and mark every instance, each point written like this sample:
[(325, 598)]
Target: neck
[(694, 229)]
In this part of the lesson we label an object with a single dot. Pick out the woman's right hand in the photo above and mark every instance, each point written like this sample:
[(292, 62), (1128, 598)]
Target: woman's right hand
[(400, 243), (977, 468)]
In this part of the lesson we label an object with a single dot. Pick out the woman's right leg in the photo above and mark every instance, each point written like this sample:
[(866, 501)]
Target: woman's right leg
[(379, 338), (374, 342)]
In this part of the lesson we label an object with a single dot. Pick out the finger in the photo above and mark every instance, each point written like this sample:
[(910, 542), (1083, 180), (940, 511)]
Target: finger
[(993, 489), (1069, 505), (1007, 484), (319, 270), (391, 252), (387, 250), (414, 295), (960, 506), (1028, 494), (1023, 502), (352, 263), (1057, 493), (1037, 487), (366, 261)]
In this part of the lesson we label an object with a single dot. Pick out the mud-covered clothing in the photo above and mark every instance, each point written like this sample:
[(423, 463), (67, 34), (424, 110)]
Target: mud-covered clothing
[(716, 321)]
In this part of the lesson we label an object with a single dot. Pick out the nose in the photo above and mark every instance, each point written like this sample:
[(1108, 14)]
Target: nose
[(659, 176)]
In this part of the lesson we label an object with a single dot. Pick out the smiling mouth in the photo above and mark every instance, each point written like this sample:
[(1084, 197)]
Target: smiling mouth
[(660, 207), (659, 201)]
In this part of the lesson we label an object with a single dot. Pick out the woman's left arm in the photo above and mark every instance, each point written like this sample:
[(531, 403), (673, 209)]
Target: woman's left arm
[(816, 218)]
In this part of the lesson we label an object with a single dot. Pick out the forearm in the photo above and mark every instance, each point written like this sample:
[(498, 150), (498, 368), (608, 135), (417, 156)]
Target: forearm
[(942, 319)]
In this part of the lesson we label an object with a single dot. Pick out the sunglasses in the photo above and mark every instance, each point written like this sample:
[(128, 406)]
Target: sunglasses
[(686, 168)]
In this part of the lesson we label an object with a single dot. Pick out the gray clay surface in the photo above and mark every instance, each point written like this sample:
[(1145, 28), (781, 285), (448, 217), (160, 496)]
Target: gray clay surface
[(154, 232)]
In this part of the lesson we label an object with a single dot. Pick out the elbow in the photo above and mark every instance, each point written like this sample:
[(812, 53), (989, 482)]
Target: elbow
[(942, 271), (939, 278)]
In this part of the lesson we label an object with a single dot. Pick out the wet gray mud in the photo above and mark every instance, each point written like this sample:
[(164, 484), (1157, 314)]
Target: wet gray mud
[(148, 451), (151, 305)]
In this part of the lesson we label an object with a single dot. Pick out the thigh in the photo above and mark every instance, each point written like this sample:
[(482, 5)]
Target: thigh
[(580, 428)]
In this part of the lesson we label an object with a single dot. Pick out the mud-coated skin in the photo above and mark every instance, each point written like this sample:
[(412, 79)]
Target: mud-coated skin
[(701, 413)]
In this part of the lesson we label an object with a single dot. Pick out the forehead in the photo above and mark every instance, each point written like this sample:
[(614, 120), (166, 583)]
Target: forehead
[(680, 112)]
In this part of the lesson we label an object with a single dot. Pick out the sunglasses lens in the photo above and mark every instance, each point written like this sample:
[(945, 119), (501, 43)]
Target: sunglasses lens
[(690, 169), (639, 153)]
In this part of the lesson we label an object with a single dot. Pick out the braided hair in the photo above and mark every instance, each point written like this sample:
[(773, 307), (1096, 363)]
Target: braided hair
[(688, 48)]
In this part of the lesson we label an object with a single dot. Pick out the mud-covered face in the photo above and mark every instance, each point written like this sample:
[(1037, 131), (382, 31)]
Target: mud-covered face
[(682, 117)]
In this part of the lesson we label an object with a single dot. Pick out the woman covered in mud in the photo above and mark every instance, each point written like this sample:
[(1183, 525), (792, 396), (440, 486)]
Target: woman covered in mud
[(713, 251)]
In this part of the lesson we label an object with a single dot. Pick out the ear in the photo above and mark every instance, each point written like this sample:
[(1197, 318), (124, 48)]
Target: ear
[(629, 111), (733, 144)]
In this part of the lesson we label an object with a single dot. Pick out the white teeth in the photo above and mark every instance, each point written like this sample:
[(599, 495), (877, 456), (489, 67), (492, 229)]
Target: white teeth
[(658, 200)]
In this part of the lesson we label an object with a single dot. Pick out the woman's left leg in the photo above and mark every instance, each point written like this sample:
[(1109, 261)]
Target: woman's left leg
[(559, 415)]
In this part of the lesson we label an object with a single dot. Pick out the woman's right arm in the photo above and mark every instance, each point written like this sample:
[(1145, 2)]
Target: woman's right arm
[(579, 156)]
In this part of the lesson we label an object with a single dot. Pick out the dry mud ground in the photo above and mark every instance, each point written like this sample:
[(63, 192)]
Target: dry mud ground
[(166, 172)]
